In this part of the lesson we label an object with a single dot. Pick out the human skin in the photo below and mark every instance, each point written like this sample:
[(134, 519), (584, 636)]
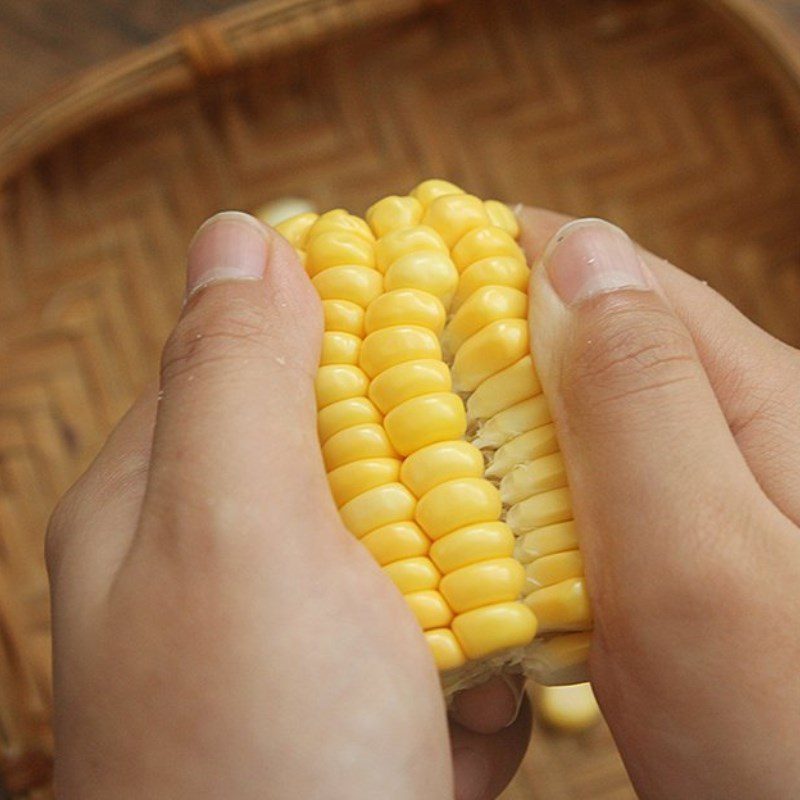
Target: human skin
[(678, 419), (217, 631)]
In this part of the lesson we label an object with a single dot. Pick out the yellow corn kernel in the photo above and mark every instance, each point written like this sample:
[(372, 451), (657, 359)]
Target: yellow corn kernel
[(345, 414), (405, 307), (533, 477), (453, 215), (527, 446), (360, 285), (426, 270), (356, 443), (482, 584), (445, 649), (456, 504), (558, 538), (285, 209), (384, 348), (506, 388), (427, 191), (410, 462), (567, 708), (540, 510), (501, 216), (337, 248), (344, 316), (484, 242), (484, 306), (392, 213), (339, 348), (511, 422), (396, 541), (339, 220), (409, 379), (353, 479), (377, 507), (425, 420), (481, 542), (560, 658), (295, 229), (430, 609), (552, 569), (486, 630), (338, 382), (413, 574), (488, 352), (401, 242), (561, 607), (440, 462), (494, 271)]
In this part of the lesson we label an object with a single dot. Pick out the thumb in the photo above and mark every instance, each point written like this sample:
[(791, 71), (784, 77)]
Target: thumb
[(235, 428), (654, 471)]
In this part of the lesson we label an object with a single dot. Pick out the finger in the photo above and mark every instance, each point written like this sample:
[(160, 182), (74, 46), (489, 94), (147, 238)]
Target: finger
[(94, 521), (491, 706), (756, 378), (235, 438), (537, 226), (485, 764), (649, 451)]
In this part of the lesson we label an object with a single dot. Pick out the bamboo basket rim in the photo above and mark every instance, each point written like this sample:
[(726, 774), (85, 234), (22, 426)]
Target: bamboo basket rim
[(229, 40), (210, 47)]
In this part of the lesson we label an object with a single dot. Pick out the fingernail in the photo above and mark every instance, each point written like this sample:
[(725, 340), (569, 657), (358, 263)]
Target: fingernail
[(589, 257), (472, 774), (231, 246)]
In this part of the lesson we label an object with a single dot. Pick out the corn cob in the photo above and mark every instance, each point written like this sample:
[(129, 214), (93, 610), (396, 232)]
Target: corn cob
[(440, 451)]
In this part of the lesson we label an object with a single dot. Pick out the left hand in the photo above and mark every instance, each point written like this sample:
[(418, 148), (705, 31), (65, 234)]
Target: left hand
[(217, 631)]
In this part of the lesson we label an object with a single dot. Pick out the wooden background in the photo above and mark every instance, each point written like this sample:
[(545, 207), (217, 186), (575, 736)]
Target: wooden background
[(45, 41)]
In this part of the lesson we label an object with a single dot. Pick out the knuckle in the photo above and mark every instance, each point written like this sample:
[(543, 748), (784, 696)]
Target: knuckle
[(624, 352), (213, 333)]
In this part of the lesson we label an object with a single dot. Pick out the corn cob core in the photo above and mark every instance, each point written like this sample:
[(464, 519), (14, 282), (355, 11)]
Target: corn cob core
[(440, 451)]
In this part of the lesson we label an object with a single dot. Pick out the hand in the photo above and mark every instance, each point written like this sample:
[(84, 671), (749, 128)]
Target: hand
[(217, 631), (178, 605), (680, 425)]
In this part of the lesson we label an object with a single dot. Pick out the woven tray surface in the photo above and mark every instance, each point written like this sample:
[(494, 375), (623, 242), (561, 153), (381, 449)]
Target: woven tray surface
[(662, 115)]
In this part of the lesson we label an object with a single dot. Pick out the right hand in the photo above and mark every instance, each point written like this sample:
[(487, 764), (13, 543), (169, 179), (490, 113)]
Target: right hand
[(680, 425)]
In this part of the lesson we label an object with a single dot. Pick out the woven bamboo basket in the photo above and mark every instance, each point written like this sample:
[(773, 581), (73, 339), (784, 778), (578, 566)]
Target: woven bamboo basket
[(680, 120)]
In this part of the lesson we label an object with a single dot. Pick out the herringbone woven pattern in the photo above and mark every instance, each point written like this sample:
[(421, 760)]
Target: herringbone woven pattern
[(650, 112)]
